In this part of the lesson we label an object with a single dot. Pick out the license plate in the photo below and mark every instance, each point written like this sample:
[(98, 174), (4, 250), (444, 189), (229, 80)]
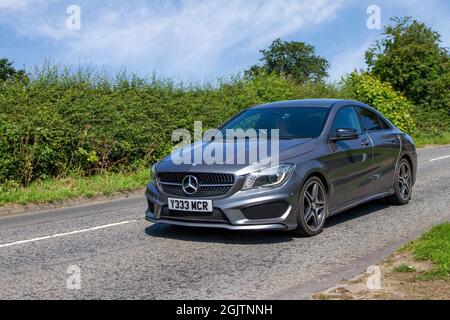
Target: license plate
[(190, 205)]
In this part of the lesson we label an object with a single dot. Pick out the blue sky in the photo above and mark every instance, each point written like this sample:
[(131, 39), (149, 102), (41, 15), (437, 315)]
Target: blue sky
[(197, 40)]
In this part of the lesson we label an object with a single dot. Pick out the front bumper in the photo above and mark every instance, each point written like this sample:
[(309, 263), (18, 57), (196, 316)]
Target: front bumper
[(217, 225), (259, 209)]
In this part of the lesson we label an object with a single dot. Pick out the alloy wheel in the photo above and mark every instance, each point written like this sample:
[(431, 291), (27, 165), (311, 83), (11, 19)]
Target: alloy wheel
[(404, 181), (314, 202)]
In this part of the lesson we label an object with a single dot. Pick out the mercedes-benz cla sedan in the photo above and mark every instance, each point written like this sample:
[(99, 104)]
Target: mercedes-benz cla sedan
[(332, 155)]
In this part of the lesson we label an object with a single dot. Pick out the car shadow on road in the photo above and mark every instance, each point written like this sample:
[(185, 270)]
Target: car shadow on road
[(197, 234), (357, 212), (217, 235)]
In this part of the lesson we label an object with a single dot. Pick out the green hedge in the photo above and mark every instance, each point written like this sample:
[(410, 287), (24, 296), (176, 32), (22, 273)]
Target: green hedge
[(57, 124), (369, 90), (60, 123)]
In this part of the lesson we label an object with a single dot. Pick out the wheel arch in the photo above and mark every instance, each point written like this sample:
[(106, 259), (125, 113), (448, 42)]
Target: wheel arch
[(321, 176), (408, 158)]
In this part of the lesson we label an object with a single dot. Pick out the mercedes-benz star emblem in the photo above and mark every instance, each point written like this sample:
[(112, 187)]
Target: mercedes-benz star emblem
[(190, 185)]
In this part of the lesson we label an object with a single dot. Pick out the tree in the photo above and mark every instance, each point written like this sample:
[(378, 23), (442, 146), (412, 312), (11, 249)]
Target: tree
[(7, 70), (409, 57), (294, 60), (370, 90)]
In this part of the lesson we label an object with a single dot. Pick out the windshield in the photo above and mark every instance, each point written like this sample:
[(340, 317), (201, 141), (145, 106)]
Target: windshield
[(292, 122)]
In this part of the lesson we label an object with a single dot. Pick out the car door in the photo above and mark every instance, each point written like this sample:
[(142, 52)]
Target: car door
[(349, 161), (386, 143)]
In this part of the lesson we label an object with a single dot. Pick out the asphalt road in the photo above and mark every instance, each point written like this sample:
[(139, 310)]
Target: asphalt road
[(120, 255)]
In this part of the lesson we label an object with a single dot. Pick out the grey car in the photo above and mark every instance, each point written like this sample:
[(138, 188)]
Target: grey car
[(333, 155)]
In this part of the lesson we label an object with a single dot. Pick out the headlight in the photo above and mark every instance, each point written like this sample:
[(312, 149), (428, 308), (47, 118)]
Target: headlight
[(153, 173), (271, 177)]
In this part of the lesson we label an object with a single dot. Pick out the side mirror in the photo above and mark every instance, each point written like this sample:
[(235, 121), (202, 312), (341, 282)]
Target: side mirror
[(345, 134)]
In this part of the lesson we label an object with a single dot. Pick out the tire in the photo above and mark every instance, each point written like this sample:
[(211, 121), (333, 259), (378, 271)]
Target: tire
[(403, 184), (312, 208)]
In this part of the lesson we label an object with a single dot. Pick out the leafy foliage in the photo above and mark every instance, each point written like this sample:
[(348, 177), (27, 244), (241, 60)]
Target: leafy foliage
[(293, 60), (370, 90), (409, 57), (58, 122), (7, 71), (61, 122)]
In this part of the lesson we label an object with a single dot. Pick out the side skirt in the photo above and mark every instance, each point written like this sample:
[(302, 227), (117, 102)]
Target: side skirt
[(359, 202)]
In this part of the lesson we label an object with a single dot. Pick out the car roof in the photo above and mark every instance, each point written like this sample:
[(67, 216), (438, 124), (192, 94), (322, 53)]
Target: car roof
[(328, 103)]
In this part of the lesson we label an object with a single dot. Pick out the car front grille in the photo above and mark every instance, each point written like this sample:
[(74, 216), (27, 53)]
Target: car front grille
[(209, 184)]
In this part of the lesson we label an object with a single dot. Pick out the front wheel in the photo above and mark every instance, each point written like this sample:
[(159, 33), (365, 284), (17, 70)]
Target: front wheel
[(403, 184), (312, 208)]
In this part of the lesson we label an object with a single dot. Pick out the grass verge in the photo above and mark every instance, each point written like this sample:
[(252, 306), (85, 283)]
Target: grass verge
[(74, 187), (422, 140), (404, 268), (418, 270), (433, 246)]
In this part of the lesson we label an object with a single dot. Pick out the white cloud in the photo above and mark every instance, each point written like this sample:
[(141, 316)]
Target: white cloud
[(13, 4), (191, 38), (187, 37), (33, 18), (349, 60)]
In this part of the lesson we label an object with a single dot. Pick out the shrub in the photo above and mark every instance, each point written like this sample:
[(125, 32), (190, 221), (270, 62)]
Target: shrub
[(370, 90), (60, 121)]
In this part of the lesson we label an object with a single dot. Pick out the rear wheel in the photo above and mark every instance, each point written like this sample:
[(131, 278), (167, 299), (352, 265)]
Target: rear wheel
[(403, 184), (312, 208)]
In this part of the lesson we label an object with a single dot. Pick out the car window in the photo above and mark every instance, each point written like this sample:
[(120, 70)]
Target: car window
[(248, 123), (383, 123), (346, 118), (292, 122), (370, 120)]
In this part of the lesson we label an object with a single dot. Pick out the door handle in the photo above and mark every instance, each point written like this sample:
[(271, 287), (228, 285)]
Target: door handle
[(365, 143)]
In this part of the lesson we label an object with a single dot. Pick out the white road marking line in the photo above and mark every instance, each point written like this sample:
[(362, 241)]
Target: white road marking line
[(440, 158), (66, 233)]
